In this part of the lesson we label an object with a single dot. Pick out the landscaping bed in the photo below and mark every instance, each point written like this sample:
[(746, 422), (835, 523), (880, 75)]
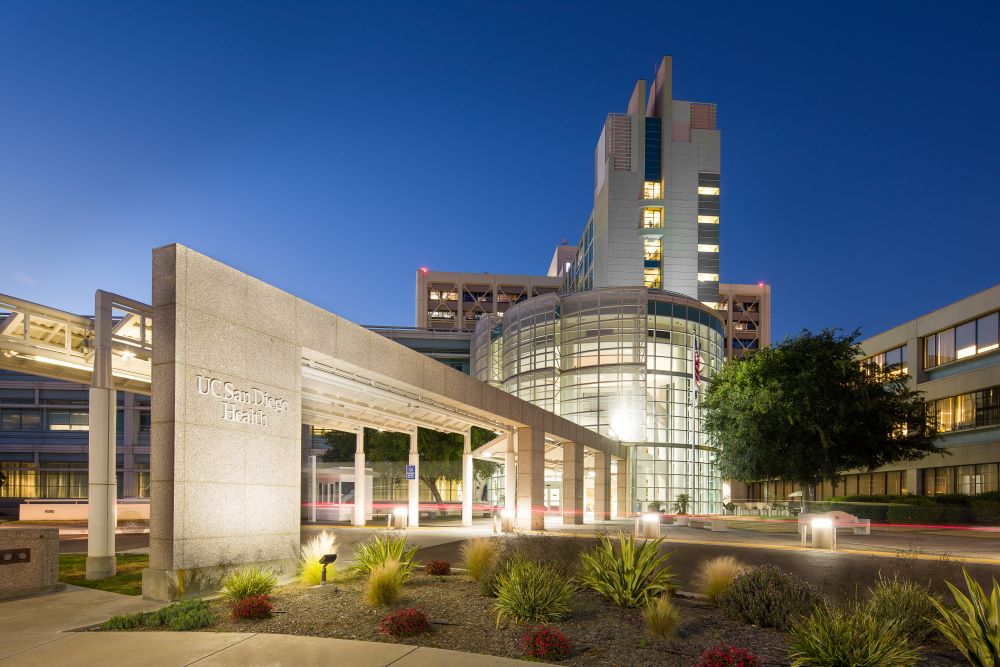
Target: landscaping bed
[(127, 581), (462, 620)]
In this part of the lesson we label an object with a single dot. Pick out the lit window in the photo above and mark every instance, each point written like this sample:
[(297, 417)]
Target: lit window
[(652, 217), (708, 219), (707, 247), (652, 190), (714, 305), (965, 340), (651, 278), (652, 249), (708, 277), (708, 190)]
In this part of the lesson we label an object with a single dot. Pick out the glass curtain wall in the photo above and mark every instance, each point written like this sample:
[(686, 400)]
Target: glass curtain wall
[(619, 361)]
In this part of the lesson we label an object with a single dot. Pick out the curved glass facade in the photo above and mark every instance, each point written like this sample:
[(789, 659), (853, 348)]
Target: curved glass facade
[(619, 361)]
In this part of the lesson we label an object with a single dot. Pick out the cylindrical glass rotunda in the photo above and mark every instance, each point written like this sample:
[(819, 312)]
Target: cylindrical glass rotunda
[(620, 361)]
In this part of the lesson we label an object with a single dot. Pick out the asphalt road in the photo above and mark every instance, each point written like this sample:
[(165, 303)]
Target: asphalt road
[(837, 574)]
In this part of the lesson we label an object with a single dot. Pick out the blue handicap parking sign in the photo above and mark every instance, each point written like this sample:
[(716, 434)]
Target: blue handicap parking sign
[(411, 472)]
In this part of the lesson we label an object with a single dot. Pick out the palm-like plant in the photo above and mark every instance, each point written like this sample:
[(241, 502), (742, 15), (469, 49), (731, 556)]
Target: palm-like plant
[(381, 548), (977, 633), (629, 575)]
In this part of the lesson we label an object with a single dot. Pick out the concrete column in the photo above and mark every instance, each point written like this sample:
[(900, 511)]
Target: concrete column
[(130, 427), (360, 490), (413, 485), (509, 474), (530, 478), (913, 481), (102, 495), (571, 496), (313, 496), (602, 486), (622, 486), (468, 479)]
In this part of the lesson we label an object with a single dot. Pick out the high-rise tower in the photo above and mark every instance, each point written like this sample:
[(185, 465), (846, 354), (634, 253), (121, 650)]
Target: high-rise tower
[(655, 220)]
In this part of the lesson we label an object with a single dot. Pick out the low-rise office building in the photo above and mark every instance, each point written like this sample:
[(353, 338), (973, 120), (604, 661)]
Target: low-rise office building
[(952, 355)]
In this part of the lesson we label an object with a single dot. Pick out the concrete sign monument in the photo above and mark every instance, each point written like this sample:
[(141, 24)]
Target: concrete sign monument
[(226, 425)]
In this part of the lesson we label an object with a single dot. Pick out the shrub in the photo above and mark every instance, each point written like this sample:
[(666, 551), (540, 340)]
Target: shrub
[(725, 655), (382, 548), (309, 565), (559, 553), (986, 511), (185, 615), (904, 601), (530, 592), (629, 575), (544, 642), (661, 617), (681, 503), (974, 628), (248, 581), (124, 621), (385, 582), (766, 596), (405, 623), (716, 575), (440, 568), (477, 555), (911, 514), (850, 636), (253, 607)]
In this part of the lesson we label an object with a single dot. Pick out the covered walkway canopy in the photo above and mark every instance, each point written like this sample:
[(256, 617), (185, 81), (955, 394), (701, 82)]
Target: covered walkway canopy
[(221, 334)]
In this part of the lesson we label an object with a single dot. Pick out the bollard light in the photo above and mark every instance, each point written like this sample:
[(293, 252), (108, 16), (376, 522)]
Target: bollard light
[(650, 525), (400, 518), (324, 561), (507, 520), (824, 533)]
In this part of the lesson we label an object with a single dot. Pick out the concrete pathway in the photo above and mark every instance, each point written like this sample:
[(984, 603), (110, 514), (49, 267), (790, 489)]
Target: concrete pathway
[(40, 631)]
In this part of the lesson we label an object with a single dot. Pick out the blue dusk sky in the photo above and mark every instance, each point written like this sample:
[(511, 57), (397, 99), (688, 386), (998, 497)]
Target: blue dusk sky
[(332, 149)]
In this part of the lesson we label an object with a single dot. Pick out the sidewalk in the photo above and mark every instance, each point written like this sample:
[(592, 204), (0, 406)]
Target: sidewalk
[(39, 631)]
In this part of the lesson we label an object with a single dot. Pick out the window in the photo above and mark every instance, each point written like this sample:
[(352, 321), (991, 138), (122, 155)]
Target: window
[(652, 190), (986, 333), (968, 479), (708, 219), (20, 420), (67, 420), (961, 342), (652, 249), (965, 340), (708, 277), (973, 410), (651, 278), (708, 190), (707, 247), (652, 218)]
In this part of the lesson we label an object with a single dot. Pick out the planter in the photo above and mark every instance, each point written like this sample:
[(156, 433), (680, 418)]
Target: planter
[(682, 519)]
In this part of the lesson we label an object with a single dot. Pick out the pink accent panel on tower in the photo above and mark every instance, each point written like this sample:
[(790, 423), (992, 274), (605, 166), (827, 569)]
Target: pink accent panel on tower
[(702, 116)]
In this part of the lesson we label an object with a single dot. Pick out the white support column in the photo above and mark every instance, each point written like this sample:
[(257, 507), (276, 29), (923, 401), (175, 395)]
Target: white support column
[(360, 492), (413, 485), (102, 494), (602, 486), (509, 474), (313, 496), (621, 483), (468, 479), (571, 494)]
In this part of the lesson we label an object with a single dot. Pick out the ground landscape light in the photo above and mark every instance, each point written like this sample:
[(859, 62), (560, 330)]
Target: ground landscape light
[(822, 523), (324, 561)]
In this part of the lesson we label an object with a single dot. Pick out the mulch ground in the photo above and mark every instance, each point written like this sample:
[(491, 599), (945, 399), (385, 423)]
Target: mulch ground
[(602, 634)]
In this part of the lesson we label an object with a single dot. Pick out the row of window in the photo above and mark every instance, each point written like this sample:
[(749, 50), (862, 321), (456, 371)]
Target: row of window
[(969, 480), (31, 419), (973, 410), (62, 480), (891, 360), (965, 340)]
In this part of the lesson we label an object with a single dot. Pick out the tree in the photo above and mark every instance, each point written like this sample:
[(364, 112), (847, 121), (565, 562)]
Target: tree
[(809, 409), (440, 454)]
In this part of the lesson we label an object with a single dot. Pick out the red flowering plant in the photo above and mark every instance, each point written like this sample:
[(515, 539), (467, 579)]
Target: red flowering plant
[(438, 567), (405, 623), (725, 655), (253, 606), (546, 642)]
